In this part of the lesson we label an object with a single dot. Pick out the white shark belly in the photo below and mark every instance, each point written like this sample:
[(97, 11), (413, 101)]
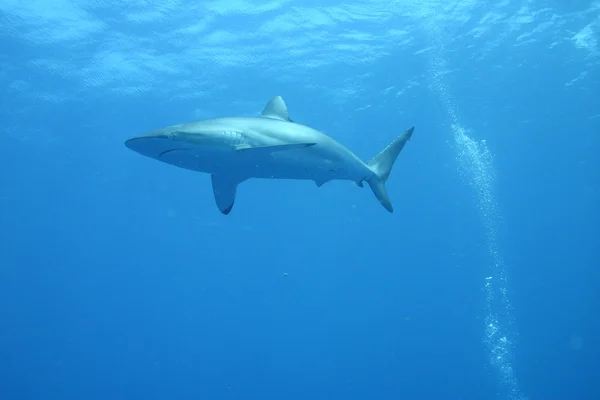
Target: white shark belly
[(209, 160), (212, 157), (314, 163), (306, 164)]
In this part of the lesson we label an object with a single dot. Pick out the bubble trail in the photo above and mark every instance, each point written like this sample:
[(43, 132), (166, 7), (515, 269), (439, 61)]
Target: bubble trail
[(476, 168)]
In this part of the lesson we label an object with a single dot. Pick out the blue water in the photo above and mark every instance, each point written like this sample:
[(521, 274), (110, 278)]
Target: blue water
[(120, 279)]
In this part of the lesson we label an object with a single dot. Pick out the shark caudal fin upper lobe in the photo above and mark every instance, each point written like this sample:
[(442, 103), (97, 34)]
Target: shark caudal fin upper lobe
[(382, 164)]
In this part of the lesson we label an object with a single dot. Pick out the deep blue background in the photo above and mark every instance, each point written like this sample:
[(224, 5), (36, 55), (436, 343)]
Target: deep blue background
[(120, 279)]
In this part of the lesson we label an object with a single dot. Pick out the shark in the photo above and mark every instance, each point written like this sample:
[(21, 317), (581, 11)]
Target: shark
[(268, 146)]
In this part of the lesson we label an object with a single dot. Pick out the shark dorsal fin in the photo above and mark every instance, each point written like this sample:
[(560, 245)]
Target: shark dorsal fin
[(276, 109)]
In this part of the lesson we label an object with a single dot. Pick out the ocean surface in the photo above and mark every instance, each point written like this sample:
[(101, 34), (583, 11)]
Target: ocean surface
[(120, 278)]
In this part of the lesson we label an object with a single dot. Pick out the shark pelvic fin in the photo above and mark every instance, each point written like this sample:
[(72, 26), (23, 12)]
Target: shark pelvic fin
[(276, 109), (224, 189)]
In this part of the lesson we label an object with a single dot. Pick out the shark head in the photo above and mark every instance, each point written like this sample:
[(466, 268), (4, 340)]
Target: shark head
[(174, 140), (200, 146), (201, 137), (156, 144)]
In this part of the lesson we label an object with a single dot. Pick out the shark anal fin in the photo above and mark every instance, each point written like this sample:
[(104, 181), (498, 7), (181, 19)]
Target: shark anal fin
[(276, 109), (224, 190), (272, 149)]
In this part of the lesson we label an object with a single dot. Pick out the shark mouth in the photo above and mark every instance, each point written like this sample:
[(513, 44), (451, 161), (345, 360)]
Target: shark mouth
[(170, 151)]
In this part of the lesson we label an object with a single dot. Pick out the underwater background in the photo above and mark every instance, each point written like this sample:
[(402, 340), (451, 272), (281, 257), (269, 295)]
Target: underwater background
[(120, 279)]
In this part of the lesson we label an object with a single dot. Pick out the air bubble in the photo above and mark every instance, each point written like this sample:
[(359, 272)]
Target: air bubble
[(475, 165)]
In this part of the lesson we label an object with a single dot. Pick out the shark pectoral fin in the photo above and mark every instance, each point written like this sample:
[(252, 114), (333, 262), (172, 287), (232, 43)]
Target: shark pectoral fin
[(224, 189), (276, 109), (321, 182), (272, 149)]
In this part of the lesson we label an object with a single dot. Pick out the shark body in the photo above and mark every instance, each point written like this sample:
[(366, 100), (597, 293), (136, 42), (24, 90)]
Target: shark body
[(270, 146)]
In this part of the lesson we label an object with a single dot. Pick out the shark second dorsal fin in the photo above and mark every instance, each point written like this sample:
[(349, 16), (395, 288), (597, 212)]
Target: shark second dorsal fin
[(276, 109)]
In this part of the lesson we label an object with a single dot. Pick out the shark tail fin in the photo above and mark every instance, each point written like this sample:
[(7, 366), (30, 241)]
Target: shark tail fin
[(382, 164)]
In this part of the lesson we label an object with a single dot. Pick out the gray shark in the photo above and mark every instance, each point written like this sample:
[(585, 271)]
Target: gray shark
[(270, 146)]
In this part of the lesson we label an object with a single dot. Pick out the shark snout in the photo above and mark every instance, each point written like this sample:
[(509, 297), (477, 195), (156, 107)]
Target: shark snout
[(153, 144)]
